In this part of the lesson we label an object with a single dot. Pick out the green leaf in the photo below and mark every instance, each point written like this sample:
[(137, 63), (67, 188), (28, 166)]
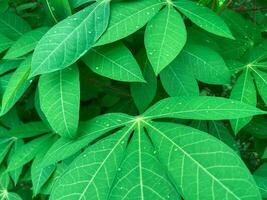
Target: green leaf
[(87, 132), (57, 9), (59, 94), (178, 79), (144, 93), (10, 196), (165, 36), (68, 40), (27, 152), (31, 129), (244, 90), (8, 65), (261, 83), (257, 127), (12, 25), (92, 173), (39, 174), (208, 66), (5, 43), (141, 175), (128, 17), (204, 18), (5, 145), (201, 108), (26, 43), (17, 85), (260, 176), (114, 61), (201, 166), (77, 3)]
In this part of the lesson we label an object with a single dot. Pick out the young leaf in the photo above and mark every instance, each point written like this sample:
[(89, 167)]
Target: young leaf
[(59, 94), (5, 43), (165, 37), (68, 40), (244, 90), (128, 17), (200, 165), (139, 172), (92, 173), (201, 108), (87, 132), (208, 66), (26, 43), (12, 25), (204, 18), (17, 85), (114, 61), (178, 79), (144, 93)]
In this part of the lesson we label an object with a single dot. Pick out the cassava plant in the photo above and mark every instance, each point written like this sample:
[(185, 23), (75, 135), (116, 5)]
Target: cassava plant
[(133, 99)]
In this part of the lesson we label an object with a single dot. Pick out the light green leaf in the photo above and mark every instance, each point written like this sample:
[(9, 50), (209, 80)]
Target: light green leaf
[(68, 40), (5, 43), (204, 18), (12, 25), (208, 66), (27, 130), (26, 43), (141, 175), (17, 85), (201, 166), (165, 36), (27, 152), (201, 108), (90, 176), (87, 132), (10, 196), (144, 93), (178, 79), (244, 90), (261, 83), (59, 94), (5, 144), (77, 3), (128, 17), (114, 61)]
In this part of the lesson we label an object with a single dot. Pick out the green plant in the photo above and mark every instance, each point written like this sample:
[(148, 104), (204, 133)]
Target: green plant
[(133, 99)]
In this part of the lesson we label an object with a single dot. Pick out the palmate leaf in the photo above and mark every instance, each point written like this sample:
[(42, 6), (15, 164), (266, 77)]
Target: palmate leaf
[(203, 17), (141, 175), (165, 36), (26, 43), (201, 166), (260, 176), (114, 61), (59, 94), (128, 17), (261, 83), (195, 161), (244, 90), (5, 43), (88, 132), (68, 40), (92, 173)]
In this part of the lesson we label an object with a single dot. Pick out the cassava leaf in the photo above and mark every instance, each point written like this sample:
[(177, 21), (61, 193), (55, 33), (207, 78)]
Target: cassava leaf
[(59, 94), (128, 17), (114, 61), (193, 157), (165, 36), (204, 18), (261, 83), (79, 33), (5, 43), (201, 108)]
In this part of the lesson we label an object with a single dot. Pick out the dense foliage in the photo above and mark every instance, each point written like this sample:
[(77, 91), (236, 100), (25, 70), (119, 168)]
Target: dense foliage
[(133, 99)]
